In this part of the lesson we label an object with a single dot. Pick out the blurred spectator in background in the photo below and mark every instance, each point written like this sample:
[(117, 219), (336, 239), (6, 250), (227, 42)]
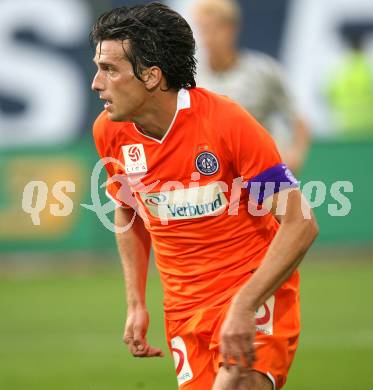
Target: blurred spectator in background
[(251, 78), (350, 91)]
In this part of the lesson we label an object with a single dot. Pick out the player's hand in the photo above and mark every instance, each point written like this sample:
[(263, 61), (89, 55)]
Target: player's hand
[(135, 334), (237, 337)]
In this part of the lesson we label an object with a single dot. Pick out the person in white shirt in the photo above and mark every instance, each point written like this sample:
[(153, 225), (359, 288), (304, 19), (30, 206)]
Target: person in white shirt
[(253, 79)]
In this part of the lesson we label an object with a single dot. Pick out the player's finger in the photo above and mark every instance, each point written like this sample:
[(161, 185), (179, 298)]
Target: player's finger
[(247, 354), (238, 353), (148, 351), (250, 355), (128, 339), (224, 350), (128, 334), (132, 348), (130, 342), (233, 355), (155, 352), (230, 346), (236, 360), (138, 338), (225, 361), (142, 352), (248, 360)]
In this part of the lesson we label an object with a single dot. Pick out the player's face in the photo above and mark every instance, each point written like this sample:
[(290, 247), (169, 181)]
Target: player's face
[(217, 35), (115, 81)]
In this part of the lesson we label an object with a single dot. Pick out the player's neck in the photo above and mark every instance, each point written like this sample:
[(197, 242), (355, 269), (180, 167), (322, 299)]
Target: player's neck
[(157, 114), (223, 61)]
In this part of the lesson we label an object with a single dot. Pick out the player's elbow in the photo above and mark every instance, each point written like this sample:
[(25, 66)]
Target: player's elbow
[(313, 229), (309, 230), (300, 215)]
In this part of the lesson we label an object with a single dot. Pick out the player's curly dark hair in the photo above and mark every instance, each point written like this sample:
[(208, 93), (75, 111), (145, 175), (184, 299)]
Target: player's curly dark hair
[(158, 36)]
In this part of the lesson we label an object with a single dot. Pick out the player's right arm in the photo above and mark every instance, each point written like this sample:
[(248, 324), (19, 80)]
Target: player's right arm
[(134, 249), (133, 245)]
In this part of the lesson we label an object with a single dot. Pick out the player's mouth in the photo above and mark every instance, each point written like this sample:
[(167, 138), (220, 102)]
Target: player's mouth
[(108, 104)]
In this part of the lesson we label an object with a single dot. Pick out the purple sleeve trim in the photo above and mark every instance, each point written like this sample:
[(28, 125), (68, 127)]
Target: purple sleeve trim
[(270, 182)]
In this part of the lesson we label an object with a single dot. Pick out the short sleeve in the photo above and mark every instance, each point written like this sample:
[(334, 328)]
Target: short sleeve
[(117, 187), (255, 157)]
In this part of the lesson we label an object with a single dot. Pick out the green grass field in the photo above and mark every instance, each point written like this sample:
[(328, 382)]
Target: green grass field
[(62, 331)]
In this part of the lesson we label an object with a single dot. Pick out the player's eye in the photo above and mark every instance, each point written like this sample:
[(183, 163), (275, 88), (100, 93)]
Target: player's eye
[(108, 69)]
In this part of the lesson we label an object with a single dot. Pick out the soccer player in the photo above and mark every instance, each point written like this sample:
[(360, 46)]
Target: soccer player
[(253, 79), (198, 178)]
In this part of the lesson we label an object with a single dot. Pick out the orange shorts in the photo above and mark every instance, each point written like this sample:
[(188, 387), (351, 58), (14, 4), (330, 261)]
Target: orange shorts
[(194, 341)]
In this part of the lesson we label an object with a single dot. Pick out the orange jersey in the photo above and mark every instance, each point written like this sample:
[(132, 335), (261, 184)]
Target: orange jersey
[(205, 240)]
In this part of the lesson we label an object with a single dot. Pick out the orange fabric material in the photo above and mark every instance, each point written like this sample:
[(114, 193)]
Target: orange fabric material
[(202, 261), (274, 353)]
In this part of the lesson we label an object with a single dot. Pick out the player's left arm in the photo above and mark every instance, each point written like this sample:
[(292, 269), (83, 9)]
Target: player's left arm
[(298, 229)]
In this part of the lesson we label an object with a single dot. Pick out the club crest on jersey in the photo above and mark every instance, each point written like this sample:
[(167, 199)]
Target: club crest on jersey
[(134, 159), (207, 163)]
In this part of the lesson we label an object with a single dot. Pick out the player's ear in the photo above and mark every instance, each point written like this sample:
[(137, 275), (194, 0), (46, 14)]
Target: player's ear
[(152, 77)]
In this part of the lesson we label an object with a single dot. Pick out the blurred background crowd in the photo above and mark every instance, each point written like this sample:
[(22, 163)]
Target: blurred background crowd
[(304, 68)]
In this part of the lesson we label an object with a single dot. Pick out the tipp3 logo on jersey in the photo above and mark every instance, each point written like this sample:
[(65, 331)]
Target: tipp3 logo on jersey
[(264, 317), (134, 159), (183, 371), (188, 203)]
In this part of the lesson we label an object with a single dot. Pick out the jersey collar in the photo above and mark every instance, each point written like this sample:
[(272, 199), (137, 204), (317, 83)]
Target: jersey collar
[(183, 103), (183, 99)]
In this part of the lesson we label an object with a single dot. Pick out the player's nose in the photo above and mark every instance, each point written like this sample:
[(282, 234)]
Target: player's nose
[(97, 84)]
